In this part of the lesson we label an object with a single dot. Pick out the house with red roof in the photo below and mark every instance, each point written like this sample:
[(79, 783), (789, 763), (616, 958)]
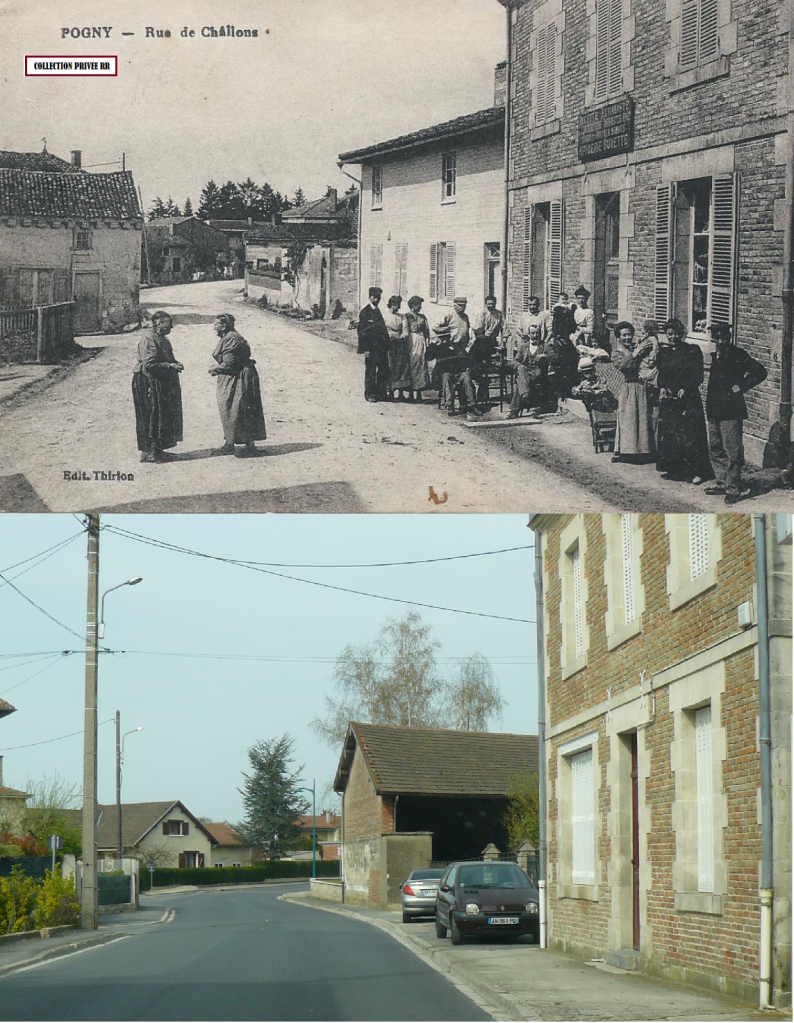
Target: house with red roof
[(12, 801), (232, 849)]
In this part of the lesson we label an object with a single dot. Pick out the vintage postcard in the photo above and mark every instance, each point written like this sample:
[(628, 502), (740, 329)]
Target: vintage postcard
[(401, 256)]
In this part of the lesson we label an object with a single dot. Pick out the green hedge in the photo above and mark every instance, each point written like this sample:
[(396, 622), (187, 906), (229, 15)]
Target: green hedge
[(265, 871)]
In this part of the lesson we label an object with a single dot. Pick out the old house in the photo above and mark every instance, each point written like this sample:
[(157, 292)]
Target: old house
[(666, 755), (432, 210), (412, 796), (12, 801), (69, 235), (327, 828), (180, 248), (647, 160)]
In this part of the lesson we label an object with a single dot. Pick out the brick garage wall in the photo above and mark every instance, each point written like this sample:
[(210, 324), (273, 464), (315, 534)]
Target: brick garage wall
[(366, 816), (716, 951), (362, 809)]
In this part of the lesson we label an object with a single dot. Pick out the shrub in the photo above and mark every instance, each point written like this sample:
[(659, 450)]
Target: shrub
[(17, 902), (267, 870), (56, 902)]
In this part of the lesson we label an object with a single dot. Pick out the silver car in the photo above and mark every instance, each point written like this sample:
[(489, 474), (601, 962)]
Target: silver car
[(419, 893)]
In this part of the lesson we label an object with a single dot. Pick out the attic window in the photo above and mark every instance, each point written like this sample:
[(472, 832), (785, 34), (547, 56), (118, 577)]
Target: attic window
[(82, 240), (176, 828)]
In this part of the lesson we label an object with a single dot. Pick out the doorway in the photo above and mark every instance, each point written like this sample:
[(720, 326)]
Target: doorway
[(635, 845), (87, 316), (606, 275), (493, 266)]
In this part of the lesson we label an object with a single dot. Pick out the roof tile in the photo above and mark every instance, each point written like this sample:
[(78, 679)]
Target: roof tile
[(90, 196)]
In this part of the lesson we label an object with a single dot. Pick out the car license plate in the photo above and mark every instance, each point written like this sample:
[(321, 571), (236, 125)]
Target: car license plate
[(428, 891), (502, 919)]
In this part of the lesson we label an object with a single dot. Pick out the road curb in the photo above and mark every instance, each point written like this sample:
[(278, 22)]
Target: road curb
[(62, 950), (505, 1003)]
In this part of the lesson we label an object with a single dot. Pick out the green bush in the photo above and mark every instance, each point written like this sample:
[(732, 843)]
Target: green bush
[(17, 902), (56, 902), (265, 871)]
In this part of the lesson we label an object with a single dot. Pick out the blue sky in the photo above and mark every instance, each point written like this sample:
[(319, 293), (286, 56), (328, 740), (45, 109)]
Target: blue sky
[(200, 714)]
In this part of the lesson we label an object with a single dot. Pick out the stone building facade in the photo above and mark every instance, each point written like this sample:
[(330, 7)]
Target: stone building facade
[(648, 149), (653, 670)]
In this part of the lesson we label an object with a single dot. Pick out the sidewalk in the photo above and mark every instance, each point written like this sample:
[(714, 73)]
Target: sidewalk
[(31, 951), (525, 982)]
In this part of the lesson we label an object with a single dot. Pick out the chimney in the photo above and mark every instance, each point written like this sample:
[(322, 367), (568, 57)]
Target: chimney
[(500, 85), (250, 221), (328, 816), (77, 158), (333, 195)]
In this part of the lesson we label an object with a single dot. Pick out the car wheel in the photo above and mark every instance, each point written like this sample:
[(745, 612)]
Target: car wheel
[(457, 937), (406, 917), (441, 931)]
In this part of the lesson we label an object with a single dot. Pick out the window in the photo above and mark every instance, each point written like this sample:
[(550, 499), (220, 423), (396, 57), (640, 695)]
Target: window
[(442, 272), (177, 264), (401, 269), (582, 819), (546, 64), (578, 608), (626, 530), (698, 545), (237, 864), (542, 274), (449, 176), (263, 264), (82, 240), (699, 33), (375, 265), (705, 816), (609, 69), (176, 828), (218, 863), (377, 187), (625, 607), (696, 251)]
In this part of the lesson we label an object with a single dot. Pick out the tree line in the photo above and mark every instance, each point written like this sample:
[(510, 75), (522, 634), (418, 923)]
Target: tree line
[(231, 201)]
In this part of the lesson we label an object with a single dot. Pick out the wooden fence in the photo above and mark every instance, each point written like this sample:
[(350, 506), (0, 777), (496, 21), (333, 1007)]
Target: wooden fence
[(43, 334)]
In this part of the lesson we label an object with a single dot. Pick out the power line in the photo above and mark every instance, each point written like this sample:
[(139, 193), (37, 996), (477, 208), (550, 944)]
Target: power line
[(55, 660), (57, 738), (47, 614), (505, 659), (48, 553), (35, 659), (309, 582)]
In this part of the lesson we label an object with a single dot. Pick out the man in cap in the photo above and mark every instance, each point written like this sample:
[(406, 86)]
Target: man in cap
[(373, 344), (732, 373), (454, 364)]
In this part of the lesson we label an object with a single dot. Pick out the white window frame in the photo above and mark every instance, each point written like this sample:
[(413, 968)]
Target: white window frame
[(629, 580), (681, 587), (705, 792), (377, 186), (623, 578), (578, 603), (449, 176), (574, 594), (582, 817)]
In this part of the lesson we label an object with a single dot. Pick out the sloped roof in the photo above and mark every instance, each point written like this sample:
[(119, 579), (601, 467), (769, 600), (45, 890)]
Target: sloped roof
[(6, 708), (491, 117), (326, 208), (137, 820), (167, 221), (224, 834), (305, 821), (287, 233), (6, 791), (437, 762), (36, 162), (88, 196)]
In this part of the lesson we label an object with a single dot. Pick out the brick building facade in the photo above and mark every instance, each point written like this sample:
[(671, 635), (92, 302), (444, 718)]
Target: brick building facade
[(648, 149), (653, 669)]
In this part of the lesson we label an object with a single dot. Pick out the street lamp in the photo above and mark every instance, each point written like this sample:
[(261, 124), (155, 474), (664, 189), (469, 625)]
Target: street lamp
[(130, 582), (314, 826), (119, 758)]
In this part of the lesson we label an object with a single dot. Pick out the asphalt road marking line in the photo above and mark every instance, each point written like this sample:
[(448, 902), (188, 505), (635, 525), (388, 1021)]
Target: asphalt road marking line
[(69, 955)]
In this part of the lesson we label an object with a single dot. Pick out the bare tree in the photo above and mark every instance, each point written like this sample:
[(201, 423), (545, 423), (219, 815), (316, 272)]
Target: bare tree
[(43, 815), (161, 855), (473, 694)]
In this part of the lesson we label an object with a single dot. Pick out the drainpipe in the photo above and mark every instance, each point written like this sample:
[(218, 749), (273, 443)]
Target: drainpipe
[(765, 739), (394, 813), (508, 89), (542, 837), (356, 181), (787, 332)]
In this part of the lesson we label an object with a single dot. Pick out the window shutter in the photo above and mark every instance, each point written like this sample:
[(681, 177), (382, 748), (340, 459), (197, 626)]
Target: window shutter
[(628, 568), (688, 48), (546, 63), (661, 278), (698, 545), (603, 20), (433, 273), (527, 275), (615, 47), (554, 283), (722, 271), (182, 859), (578, 618), (400, 268), (708, 36), (450, 270), (705, 820), (582, 819)]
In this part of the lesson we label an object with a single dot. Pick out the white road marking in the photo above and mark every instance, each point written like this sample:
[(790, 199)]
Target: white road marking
[(69, 955)]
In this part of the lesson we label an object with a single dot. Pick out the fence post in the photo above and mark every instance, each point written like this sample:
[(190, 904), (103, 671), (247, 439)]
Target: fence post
[(40, 334)]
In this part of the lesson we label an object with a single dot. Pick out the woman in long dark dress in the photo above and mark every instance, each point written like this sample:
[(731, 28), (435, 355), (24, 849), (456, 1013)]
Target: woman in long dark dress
[(683, 450), (239, 396), (156, 392)]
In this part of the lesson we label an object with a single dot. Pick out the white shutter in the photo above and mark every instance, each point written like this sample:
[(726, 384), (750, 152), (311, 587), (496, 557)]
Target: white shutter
[(554, 283), (546, 65), (615, 60), (628, 568), (708, 31), (582, 818), (375, 265), (722, 271), (688, 48), (663, 257), (400, 269), (450, 270), (705, 818), (527, 275), (698, 545), (602, 49), (433, 272), (578, 609)]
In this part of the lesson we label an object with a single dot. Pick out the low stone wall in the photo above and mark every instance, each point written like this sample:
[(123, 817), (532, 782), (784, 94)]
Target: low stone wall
[(331, 891)]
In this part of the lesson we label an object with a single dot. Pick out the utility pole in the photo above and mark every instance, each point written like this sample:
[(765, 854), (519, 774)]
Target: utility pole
[(90, 900), (118, 783)]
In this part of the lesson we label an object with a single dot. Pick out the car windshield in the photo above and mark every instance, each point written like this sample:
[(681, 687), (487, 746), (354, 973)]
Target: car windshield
[(492, 875), (426, 875)]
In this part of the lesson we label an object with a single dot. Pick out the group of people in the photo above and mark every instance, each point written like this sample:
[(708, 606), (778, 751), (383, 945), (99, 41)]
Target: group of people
[(651, 380), (157, 391)]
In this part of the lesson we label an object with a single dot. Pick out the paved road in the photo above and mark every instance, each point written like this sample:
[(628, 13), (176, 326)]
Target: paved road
[(327, 449), (239, 956)]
